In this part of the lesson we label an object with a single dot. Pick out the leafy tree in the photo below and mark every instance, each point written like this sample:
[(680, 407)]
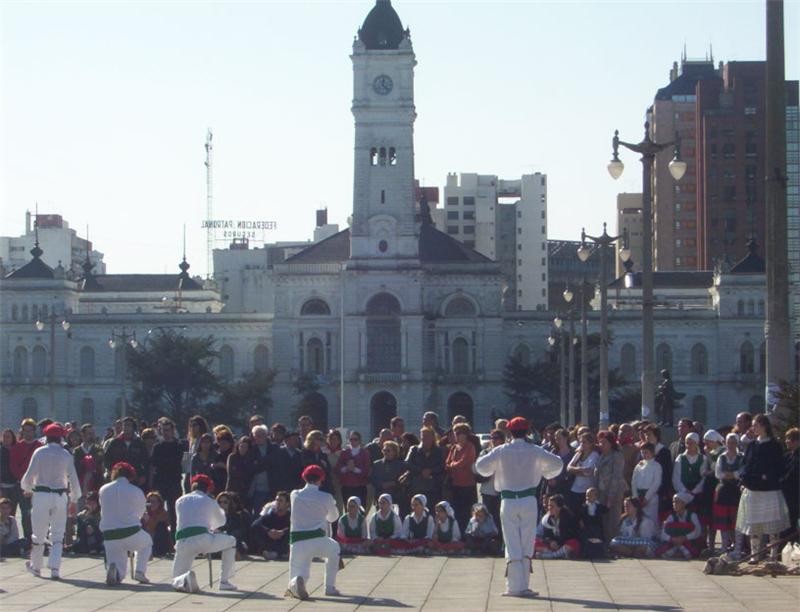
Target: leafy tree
[(532, 389), (172, 376), (787, 411), (251, 394)]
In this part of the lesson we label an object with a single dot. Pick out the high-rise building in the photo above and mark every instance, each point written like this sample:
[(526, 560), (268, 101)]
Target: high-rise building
[(793, 210), (505, 220), (629, 219), (61, 246)]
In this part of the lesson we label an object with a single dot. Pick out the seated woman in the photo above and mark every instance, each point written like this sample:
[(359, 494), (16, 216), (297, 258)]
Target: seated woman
[(385, 529), (156, 522), (482, 536), (681, 531), (560, 532), (11, 545), (418, 525), (237, 521), (351, 531), (446, 533), (269, 533), (636, 532)]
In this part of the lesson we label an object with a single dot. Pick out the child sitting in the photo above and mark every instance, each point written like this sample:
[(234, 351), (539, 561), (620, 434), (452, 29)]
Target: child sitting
[(591, 523), (156, 522), (482, 537), (90, 538), (351, 531), (385, 529), (636, 532), (681, 531), (10, 543), (446, 534), (418, 525), (560, 532)]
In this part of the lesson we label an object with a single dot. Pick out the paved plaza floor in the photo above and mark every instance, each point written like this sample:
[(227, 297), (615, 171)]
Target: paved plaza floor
[(432, 583)]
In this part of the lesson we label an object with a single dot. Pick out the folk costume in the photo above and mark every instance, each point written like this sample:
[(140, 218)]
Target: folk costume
[(351, 532)]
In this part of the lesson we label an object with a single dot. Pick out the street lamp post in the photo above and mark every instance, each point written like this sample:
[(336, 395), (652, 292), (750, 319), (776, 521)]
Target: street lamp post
[(65, 325), (568, 295), (584, 358), (123, 339), (677, 168), (603, 241), (562, 385)]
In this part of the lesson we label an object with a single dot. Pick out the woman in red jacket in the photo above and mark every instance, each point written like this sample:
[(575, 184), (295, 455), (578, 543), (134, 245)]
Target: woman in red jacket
[(353, 469), (458, 465)]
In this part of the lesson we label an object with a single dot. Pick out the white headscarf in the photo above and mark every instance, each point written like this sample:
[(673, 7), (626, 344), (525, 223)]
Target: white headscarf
[(392, 506), (712, 435), (357, 500), (447, 508)]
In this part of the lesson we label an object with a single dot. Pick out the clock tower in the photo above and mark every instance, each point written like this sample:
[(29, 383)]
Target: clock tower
[(384, 221)]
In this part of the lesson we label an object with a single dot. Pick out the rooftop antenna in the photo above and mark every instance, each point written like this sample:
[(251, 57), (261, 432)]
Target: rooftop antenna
[(36, 225), (209, 209)]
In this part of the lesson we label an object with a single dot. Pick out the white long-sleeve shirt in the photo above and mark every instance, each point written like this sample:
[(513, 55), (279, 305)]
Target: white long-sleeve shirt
[(52, 466), (121, 505), (372, 528), (312, 509), (426, 518), (677, 483), (196, 509), (518, 465), (584, 481), (646, 475), (719, 470), (627, 528)]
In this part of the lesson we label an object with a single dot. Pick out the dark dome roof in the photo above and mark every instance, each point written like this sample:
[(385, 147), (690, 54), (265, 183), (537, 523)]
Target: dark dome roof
[(382, 29)]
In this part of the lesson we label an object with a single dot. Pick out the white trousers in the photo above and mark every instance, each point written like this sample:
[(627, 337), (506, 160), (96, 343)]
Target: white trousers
[(48, 513), (188, 548), (518, 517), (650, 510), (301, 555), (117, 551)]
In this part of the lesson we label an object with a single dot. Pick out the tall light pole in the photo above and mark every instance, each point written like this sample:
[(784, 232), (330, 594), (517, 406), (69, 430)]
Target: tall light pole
[(568, 295), (603, 241), (65, 325), (584, 358), (677, 168), (562, 385), (122, 340)]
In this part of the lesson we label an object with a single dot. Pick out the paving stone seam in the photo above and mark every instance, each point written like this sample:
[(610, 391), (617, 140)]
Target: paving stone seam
[(433, 586), (546, 585)]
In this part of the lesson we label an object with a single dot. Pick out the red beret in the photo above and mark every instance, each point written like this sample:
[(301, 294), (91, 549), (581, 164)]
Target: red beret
[(313, 470), (203, 478), (54, 430), (125, 467), (518, 424)]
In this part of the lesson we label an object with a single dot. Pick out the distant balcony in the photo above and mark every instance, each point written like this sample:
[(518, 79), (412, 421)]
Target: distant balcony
[(382, 377), (459, 379)]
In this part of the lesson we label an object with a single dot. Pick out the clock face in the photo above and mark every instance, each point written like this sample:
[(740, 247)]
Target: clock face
[(382, 84)]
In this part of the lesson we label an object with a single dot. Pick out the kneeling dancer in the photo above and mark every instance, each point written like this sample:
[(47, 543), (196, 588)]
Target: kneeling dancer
[(198, 515), (312, 511), (518, 468), (122, 505)]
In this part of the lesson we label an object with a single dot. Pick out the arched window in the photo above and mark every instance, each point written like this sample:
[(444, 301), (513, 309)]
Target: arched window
[(699, 408), (315, 306), (523, 354), (761, 307), (740, 308), (24, 312), (627, 361), (460, 356), (34, 312), (261, 358), (226, 362), (699, 360), (746, 358), (384, 353), (20, 368), (315, 356), (30, 409), (87, 410), (39, 362), (751, 307), (762, 358), (383, 408), (460, 403), (663, 357), (87, 362), (14, 312), (43, 311), (459, 307)]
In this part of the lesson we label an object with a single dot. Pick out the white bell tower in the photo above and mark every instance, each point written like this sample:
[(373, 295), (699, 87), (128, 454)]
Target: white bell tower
[(384, 224)]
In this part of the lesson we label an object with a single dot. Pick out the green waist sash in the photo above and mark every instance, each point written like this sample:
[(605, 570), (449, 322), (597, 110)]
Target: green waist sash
[(532, 492), (299, 536), (188, 532), (122, 532)]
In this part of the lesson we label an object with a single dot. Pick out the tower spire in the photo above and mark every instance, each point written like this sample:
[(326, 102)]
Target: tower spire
[(36, 251), (184, 265)]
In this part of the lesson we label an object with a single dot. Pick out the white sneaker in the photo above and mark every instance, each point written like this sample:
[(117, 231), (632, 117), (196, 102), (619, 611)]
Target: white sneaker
[(332, 591), (54, 574), (33, 570), (141, 578), (112, 575), (191, 582), (224, 585)]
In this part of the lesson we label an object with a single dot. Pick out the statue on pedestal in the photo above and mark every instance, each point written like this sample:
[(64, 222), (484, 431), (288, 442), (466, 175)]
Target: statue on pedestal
[(666, 398)]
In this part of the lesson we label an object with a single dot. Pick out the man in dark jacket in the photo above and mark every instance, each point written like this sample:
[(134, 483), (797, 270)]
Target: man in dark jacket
[(166, 462), (289, 464), (130, 448)]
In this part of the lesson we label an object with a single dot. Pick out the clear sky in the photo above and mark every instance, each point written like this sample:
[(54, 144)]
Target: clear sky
[(105, 106)]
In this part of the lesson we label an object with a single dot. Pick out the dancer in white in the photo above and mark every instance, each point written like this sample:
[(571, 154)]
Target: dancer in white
[(122, 505), (50, 479), (198, 516), (518, 468), (312, 511)]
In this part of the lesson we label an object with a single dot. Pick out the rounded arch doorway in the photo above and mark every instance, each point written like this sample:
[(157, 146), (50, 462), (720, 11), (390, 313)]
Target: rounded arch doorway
[(382, 409), (316, 406), (460, 403)]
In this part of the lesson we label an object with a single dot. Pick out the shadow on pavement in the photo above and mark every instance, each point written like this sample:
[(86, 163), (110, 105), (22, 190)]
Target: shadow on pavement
[(594, 604)]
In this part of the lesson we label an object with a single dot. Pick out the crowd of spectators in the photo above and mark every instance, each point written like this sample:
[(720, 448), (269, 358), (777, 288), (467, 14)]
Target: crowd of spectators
[(622, 492)]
